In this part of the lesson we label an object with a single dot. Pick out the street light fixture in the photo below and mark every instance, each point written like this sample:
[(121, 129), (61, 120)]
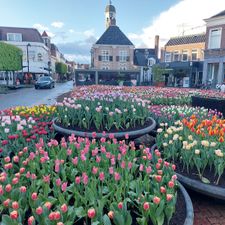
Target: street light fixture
[(28, 62)]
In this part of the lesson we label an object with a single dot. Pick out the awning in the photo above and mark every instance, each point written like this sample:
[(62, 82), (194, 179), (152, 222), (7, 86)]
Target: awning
[(34, 70)]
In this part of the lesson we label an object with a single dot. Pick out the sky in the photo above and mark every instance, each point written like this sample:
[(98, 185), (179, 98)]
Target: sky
[(75, 25)]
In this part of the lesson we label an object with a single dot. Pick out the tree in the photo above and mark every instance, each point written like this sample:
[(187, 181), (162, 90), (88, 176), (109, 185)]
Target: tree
[(10, 59), (61, 69), (158, 73)]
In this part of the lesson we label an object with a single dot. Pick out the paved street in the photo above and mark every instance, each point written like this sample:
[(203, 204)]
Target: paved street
[(31, 96)]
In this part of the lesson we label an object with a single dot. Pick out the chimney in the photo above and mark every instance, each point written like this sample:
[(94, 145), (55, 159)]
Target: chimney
[(157, 46)]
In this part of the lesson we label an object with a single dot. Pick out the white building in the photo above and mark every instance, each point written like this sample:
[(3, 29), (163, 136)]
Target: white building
[(36, 54)]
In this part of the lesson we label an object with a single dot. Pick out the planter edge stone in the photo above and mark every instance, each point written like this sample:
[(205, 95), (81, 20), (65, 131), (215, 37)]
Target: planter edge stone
[(132, 134)]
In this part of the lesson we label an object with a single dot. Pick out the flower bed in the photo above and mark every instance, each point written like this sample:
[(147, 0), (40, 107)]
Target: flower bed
[(84, 180), (22, 126), (197, 147), (170, 114)]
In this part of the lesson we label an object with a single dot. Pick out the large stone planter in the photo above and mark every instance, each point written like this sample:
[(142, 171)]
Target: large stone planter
[(200, 187), (119, 135), (189, 220), (209, 103)]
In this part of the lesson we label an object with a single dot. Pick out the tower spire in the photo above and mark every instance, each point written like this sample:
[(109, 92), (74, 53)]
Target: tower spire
[(110, 2), (110, 15)]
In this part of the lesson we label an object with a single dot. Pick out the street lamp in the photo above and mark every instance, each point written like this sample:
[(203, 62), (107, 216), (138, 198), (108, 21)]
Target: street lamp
[(28, 62)]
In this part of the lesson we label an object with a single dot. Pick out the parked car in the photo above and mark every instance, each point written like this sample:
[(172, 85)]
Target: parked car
[(44, 82)]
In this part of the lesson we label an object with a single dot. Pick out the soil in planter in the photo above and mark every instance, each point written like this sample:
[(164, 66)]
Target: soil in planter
[(113, 130), (193, 174)]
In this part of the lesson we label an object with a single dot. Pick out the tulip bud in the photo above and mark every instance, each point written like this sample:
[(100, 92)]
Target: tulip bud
[(120, 205), (91, 213), (146, 206), (14, 215), (111, 214), (34, 196), (39, 210), (15, 205), (64, 208)]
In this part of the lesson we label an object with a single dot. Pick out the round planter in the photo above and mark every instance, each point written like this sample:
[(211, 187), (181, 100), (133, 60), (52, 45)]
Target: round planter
[(189, 220), (209, 103), (200, 187), (119, 135)]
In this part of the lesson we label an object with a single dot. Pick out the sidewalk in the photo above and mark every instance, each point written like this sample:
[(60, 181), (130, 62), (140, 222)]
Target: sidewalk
[(207, 211)]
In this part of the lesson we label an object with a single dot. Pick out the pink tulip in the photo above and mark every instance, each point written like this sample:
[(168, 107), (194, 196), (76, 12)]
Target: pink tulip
[(101, 176), (77, 180), (116, 176), (64, 186)]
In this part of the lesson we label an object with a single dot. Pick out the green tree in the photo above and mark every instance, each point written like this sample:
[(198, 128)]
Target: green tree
[(61, 69), (158, 73), (10, 58)]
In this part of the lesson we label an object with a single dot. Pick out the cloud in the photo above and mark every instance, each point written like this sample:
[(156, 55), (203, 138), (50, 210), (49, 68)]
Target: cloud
[(79, 58), (186, 17), (71, 30), (89, 33), (77, 50), (57, 24), (40, 27)]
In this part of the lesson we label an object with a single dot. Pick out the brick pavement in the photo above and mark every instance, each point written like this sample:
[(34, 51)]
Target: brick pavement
[(207, 211)]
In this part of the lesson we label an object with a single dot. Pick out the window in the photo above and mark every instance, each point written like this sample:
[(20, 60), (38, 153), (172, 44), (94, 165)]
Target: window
[(123, 56), (31, 55), (105, 56), (194, 55), (176, 56), (167, 57), (123, 68), (215, 38), (14, 37), (185, 55), (105, 68), (40, 57)]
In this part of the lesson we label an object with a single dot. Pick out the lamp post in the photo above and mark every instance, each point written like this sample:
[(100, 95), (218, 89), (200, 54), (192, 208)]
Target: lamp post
[(28, 62)]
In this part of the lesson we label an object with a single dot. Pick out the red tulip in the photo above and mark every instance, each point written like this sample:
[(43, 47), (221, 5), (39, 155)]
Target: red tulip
[(146, 206), (64, 208), (14, 215), (15, 205), (120, 205), (91, 213), (39, 210)]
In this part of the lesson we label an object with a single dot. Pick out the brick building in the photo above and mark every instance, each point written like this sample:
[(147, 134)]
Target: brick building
[(214, 61), (183, 58)]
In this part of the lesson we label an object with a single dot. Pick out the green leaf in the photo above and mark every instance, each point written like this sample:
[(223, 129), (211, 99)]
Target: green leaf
[(118, 219), (6, 220), (205, 180), (95, 223), (106, 220), (79, 212)]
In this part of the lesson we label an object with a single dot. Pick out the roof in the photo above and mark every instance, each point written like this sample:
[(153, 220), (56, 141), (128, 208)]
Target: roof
[(110, 8), (113, 36), (44, 34), (28, 34), (141, 56), (219, 14), (196, 38)]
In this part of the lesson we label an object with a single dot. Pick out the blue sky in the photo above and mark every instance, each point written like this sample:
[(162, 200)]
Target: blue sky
[(76, 24)]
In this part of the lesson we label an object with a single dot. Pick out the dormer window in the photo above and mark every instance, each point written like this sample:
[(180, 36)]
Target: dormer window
[(14, 37)]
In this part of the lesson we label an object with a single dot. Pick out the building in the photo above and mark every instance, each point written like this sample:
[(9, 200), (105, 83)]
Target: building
[(145, 58), (112, 56), (182, 59), (36, 55), (214, 61)]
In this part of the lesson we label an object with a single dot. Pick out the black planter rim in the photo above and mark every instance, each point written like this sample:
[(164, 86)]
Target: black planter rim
[(120, 134), (189, 220), (200, 187)]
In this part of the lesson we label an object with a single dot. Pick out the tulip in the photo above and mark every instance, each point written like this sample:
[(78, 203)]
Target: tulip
[(34, 196), (48, 205), (169, 197), (23, 189), (14, 215), (146, 206), (120, 205), (15, 205), (171, 184), (39, 210), (91, 213), (156, 200), (8, 188), (64, 208), (6, 202), (111, 214), (31, 220), (57, 214)]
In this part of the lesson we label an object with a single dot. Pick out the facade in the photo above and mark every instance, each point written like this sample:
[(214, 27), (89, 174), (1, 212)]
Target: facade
[(182, 59), (36, 55), (214, 61), (112, 56), (145, 58)]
